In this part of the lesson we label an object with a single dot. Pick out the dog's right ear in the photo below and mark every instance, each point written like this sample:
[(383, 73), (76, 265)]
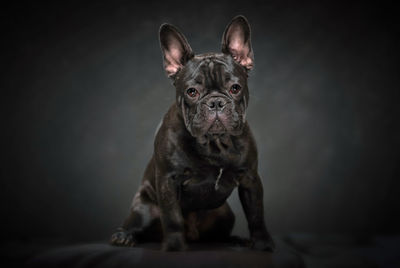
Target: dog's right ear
[(175, 48)]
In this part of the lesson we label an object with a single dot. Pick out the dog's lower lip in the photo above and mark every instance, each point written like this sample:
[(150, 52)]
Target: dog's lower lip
[(214, 129)]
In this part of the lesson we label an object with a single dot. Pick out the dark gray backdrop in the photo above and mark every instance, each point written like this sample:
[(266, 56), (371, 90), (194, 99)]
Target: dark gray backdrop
[(84, 90)]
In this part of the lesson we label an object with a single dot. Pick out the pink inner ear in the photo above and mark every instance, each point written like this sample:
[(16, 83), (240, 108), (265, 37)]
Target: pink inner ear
[(239, 49), (172, 59)]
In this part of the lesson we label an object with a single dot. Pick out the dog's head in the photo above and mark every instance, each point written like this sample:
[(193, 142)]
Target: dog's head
[(211, 89)]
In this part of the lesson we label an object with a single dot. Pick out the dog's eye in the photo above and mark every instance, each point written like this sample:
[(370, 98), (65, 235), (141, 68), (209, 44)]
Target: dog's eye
[(192, 92), (235, 89)]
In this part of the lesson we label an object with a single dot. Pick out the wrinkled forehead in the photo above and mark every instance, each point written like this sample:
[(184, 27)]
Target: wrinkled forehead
[(212, 71)]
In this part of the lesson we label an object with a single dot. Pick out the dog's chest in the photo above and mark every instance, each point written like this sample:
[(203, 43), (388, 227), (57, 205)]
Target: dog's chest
[(221, 151), (206, 189)]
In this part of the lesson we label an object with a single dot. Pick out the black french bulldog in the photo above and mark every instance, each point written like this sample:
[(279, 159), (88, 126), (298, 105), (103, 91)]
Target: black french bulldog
[(203, 150)]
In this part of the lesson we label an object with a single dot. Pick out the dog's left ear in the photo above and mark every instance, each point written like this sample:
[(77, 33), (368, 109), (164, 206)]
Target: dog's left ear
[(236, 41)]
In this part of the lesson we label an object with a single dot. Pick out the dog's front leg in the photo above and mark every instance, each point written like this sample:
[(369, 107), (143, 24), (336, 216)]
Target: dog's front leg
[(251, 197), (170, 212)]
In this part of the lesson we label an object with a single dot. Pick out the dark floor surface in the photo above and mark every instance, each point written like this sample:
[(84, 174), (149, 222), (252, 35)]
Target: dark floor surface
[(296, 250)]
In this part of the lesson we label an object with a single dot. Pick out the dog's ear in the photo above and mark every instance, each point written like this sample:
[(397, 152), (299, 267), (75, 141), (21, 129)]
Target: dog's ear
[(236, 41), (176, 50)]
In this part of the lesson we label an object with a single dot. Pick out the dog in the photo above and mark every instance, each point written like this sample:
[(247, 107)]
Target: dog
[(203, 150)]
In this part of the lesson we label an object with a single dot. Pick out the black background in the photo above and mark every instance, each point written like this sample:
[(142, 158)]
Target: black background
[(83, 91)]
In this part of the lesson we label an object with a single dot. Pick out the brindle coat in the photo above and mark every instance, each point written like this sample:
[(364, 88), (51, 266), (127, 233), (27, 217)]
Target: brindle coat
[(202, 151)]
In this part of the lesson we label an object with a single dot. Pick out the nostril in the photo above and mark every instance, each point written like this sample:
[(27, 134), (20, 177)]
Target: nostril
[(217, 103)]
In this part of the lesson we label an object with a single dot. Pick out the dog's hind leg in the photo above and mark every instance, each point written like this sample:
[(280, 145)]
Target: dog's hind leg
[(143, 223)]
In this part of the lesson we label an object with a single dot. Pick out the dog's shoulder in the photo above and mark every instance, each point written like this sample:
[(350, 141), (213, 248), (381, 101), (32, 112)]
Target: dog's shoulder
[(172, 132)]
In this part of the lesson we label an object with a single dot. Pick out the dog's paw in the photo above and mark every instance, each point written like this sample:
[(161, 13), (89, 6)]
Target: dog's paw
[(263, 244), (123, 238), (174, 242)]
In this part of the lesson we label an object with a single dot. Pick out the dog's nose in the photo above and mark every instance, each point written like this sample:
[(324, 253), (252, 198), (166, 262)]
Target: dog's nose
[(216, 103)]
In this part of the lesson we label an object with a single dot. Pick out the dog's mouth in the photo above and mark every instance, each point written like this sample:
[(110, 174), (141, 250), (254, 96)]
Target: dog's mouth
[(217, 127), (200, 120)]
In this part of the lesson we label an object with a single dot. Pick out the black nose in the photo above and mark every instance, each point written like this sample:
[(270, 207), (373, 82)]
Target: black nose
[(216, 103)]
